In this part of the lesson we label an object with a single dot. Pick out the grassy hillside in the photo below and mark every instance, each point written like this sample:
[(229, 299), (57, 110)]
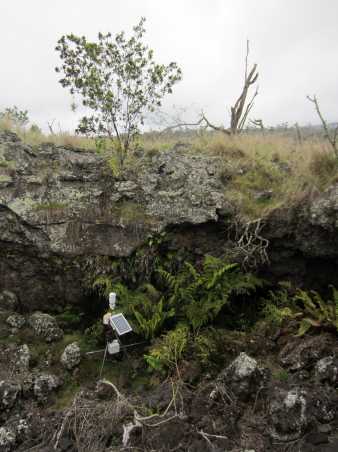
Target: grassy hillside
[(260, 171)]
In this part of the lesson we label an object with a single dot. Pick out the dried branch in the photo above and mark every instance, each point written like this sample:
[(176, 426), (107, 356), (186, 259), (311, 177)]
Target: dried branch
[(332, 138), (258, 123), (212, 126), (50, 127), (247, 110)]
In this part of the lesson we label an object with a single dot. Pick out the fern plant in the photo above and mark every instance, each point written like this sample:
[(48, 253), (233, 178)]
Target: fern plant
[(145, 307), (279, 305), (316, 312), (198, 296)]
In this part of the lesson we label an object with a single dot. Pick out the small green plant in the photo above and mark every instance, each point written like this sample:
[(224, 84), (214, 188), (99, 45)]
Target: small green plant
[(167, 352), (282, 375), (50, 206), (15, 115), (279, 305), (150, 317), (308, 308), (69, 318), (94, 334), (317, 313), (205, 345)]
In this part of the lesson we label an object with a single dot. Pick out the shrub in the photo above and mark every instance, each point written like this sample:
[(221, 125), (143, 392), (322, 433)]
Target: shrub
[(16, 116), (324, 166), (167, 352), (95, 334), (206, 347)]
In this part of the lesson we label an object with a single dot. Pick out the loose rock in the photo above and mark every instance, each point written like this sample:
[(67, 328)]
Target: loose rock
[(44, 384), (304, 352), (45, 326), (326, 370), (7, 439), (23, 357), (16, 321), (243, 377), (71, 356), (8, 394), (288, 414), (8, 301)]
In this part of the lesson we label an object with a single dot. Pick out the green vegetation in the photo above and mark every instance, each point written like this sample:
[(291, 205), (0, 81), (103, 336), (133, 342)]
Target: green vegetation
[(177, 302), (14, 114), (199, 296), (50, 206), (260, 172), (282, 375), (167, 352), (118, 80), (5, 178), (308, 309), (317, 313)]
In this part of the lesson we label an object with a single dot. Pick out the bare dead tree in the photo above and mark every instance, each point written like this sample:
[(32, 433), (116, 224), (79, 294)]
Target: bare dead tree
[(299, 133), (239, 111), (258, 123), (331, 136), (50, 127)]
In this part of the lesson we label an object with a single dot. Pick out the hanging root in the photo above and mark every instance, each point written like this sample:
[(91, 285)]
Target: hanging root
[(250, 245)]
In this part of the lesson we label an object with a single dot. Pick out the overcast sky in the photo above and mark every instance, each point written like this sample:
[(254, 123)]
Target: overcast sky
[(294, 43)]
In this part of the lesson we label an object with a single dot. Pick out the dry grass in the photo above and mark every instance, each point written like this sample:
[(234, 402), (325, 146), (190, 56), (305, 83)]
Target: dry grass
[(260, 172), (34, 136)]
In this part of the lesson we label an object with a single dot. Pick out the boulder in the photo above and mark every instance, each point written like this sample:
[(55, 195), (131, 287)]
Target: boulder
[(22, 357), (45, 326), (323, 403), (9, 392), (288, 417), (326, 370), (8, 301), (44, 384), (16, 321), (22, 429), (7, 439), (304, 352), (71, 356), (243, 378)]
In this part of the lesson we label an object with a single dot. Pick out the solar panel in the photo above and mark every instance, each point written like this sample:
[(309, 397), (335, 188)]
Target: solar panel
[(120, 324)]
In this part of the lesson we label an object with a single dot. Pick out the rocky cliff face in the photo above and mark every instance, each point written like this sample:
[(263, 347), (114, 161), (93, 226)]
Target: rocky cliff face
[(60, 207)]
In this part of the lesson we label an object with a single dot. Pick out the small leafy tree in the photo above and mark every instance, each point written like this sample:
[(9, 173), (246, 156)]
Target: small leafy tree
[(118, 80), (14, 114)]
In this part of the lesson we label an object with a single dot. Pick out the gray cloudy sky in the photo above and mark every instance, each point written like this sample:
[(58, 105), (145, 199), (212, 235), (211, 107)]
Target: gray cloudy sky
[(294, 42)]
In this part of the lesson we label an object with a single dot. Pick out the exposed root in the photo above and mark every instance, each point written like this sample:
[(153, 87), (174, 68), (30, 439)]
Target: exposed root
[(250, 245)]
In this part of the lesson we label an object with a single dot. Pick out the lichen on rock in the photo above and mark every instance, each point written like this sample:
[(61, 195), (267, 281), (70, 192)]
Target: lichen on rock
[(45, 326), (71, 356)]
